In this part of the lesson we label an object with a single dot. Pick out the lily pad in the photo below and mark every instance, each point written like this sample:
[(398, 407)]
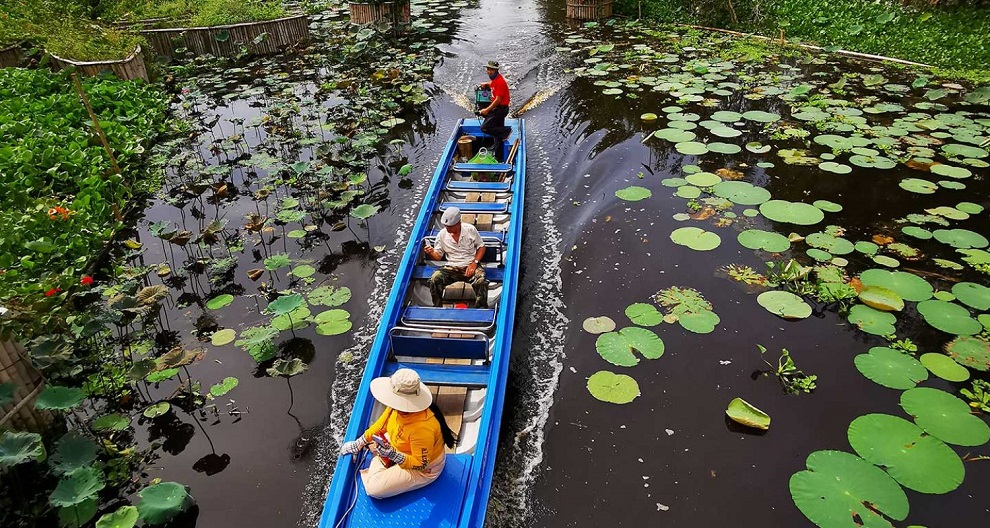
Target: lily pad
[(598, 325), (743, 412), (613, 388), (162, 502), (285, 304), (287, 369), (974, 295), (840, 490), (111, 422), (124, 517), (832, 244), (157, 409), (884, 260), (691, 148), (891, 368), (643, 314), (277, 261), (906, 285), (760, 116), (918, 186), (634, 193), (740, 192), (881, 298), (303, 270), (329, 296), (949, 318), (950, 171), (364, 211), (17, 447), (961, 238), (872, 321), (784, 304), (77, 487), (220, 301), (827, 206), (74, 452), (332, 322), (703, 179), (61, 398), (944, 367), (224, 386), (791, 212), (945, 417), (917, 232), (765, 240), (617, 347), (223, 337), (973, 352), (696, 238), (917, 461)]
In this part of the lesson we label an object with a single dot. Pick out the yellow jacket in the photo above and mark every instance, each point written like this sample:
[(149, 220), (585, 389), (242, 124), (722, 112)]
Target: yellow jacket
[(416, 435)]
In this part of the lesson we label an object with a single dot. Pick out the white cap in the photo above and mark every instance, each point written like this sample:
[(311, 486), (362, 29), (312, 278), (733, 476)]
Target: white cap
[(452, 216)]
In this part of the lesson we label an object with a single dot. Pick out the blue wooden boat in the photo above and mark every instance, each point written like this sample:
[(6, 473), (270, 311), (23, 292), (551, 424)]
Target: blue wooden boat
[(461, 353)]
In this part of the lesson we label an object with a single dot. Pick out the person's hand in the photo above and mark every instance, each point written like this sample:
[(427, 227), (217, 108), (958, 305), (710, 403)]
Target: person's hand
[(484, 111), (353, 447), (389, 452), (427, 249), (469, 272)]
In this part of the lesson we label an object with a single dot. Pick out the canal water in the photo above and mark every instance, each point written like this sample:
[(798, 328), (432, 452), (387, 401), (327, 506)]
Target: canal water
[(670, 457)]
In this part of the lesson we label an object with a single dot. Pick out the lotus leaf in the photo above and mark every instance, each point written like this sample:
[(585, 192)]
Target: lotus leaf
[(919, 186), (872, 321), (917, 232), (819, 255), (691, 148), (688, 191), (643, 314), (765, 240), (364, 211), (178, 357), (675, 135), (61, 398), (872, 162), (223, 337), (332, 322), (917, 461), (884, 260), (598, 325), (948, 212), (17, 447), (945, 417), (219, 301), (726, 116), (961, 238), (304, 270), (696, 238), (613, 388), (758, 148), (673, 182), (949, 318), (742, 193), (223, 387), (77, 487), (944, 367), (760, 116), (124, 517), (617, 347), (948, 264), (943, 295), (828, 207), (258, 341), (954, 185), (296, 319), (162, 502), (891, 368), (973, 352), (969, 207), (703, 179), (832, 244), (963, 151), (906, 285), (74, 452), (840, 490), (881, 298), (277, 261), (330, 296), (287, 369), (791, 212), (833, 167), (743, 412), (78, 514), (157, 409), (950, 171), (634, 193), (649, 117), (974, 295), (285, 304), (161, 375), (699, 322), (111, 422), (784, 304)]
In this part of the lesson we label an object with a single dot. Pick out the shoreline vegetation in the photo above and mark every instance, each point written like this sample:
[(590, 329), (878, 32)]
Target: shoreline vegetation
[(952, 37)]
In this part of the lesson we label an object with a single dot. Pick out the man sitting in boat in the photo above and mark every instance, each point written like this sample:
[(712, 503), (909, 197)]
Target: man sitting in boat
[(464, 248), (412, 434)]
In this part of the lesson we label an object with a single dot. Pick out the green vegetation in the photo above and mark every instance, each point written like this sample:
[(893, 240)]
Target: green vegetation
[(950, 38), (792, 379), (82, 41), (193, 12)]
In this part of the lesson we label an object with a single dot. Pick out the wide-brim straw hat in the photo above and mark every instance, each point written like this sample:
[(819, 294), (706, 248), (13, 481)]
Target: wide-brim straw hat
[(402, 391)]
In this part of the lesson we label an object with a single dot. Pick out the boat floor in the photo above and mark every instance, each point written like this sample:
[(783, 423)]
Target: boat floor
[(436, 505)]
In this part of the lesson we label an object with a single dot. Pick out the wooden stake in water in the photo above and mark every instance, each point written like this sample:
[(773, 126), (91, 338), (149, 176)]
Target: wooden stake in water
[(96, 123)]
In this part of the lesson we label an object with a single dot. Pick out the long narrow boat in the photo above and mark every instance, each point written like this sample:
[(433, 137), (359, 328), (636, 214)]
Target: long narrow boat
[(461, 353)]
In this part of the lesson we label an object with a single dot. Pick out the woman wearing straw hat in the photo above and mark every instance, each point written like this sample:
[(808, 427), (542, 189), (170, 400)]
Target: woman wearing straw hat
[(412, 454)]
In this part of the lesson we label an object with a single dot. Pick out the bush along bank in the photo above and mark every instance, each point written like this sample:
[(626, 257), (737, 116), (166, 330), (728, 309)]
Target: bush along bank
[(953, 39)]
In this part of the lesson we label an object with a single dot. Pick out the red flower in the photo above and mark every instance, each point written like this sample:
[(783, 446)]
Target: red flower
[(52, 291), (57, 212), (86, 280)]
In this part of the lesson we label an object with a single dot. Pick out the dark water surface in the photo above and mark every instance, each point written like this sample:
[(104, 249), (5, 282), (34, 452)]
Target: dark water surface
[(670, 457)]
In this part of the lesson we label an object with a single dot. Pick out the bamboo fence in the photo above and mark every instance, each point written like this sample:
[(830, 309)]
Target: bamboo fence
[(395, 13), (130, 68), (16, 368), (589, 9), (282, 33), (12, 56)]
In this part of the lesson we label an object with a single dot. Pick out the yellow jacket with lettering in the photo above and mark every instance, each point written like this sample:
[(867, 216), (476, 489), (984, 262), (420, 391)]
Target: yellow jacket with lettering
[(416, 435)]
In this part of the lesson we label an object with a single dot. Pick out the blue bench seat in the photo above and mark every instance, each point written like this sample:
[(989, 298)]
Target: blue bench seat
[(473, 186), (425, 272), (427, 346), (476, 207), (471, 376), (448, 316), (498, 168), (500, 235)]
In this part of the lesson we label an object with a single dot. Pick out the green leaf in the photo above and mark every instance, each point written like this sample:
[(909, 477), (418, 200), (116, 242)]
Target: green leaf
[(791, 212), (948, 317), (222, 36), (259, 342), (7, 393), (157, 409), (872, 321), (881, 298), (972, 352), (891, 368), (77, 487), (111, 422), (617, 347), (287, 369), (835, 489), (277, 261), (634, 193), (945, 417), (917, 461), (61, 398), (944, 367), (223, 387), (223, 337), (743, 412), (329, 296), (17, 447), (696, 238), (124, 517), (643, 314), (364, 211), (303, 271), (220, 301), (765, 240), (598, 325), (73, 453), (784, 304), (906, 285), (161, 375), (77, 515), (974, 295), (161, 502), (285, 304), (613, 388)]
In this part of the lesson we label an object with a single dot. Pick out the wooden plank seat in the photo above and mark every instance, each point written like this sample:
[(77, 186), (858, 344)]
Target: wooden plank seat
[(439, 347), (476, 207), (448, 316), (473, 186), (425, 272), (444, 374), (497, 168)]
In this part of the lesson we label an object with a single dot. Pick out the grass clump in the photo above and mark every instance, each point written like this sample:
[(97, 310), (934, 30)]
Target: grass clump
[(84, 41), (194, 12)]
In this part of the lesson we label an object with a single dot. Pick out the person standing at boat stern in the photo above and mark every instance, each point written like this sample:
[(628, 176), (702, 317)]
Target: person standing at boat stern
[(463, 248), (498, 110), (414, 431)]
